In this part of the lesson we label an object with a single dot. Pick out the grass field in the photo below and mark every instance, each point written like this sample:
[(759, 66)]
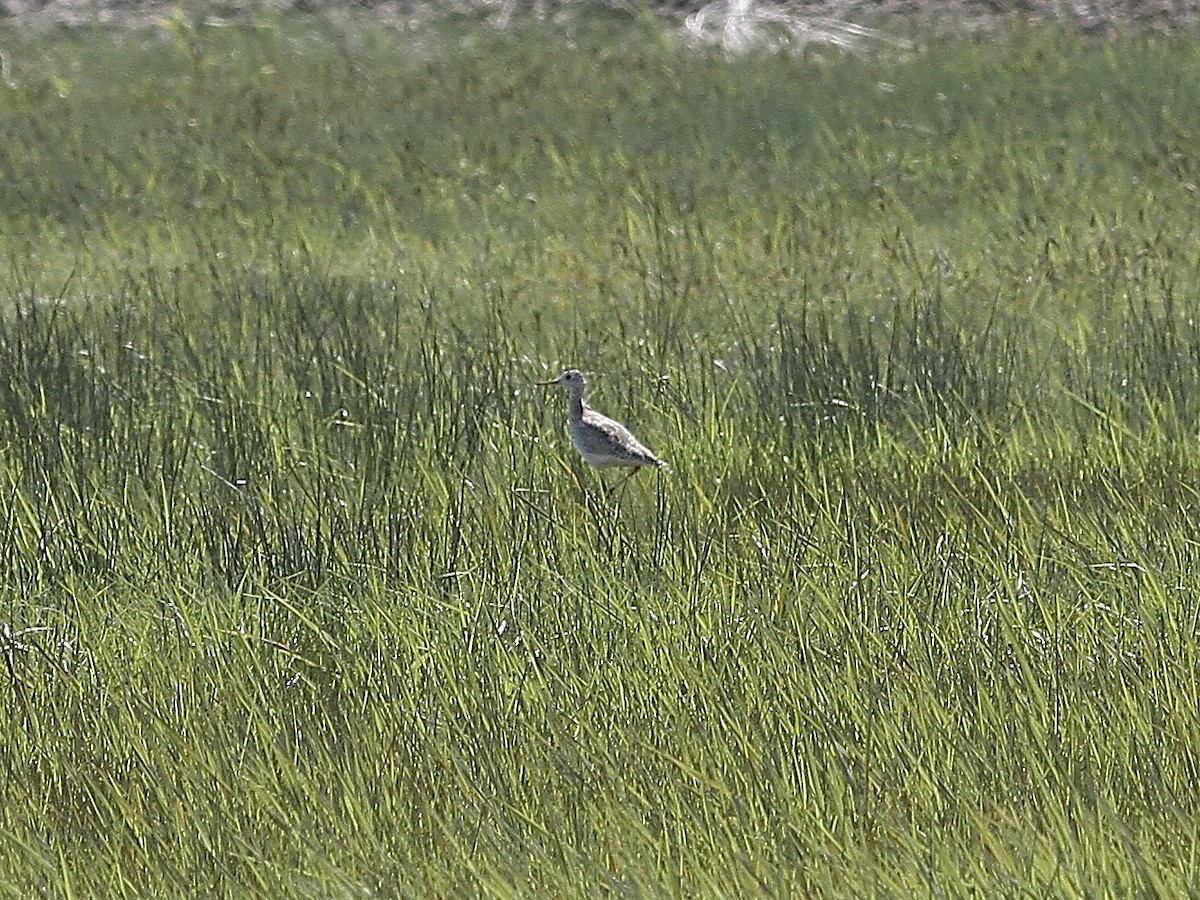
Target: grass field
[(304, 593)]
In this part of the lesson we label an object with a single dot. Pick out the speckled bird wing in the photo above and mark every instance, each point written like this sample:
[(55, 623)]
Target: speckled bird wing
[(602, 435)]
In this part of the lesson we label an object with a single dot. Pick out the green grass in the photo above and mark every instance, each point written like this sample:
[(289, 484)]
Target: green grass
[(301, 595)]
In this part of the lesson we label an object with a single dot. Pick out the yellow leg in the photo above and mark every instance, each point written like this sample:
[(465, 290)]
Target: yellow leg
[(633, 470)]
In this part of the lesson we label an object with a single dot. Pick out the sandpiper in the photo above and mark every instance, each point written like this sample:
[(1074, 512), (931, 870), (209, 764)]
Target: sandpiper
[(601, 441)]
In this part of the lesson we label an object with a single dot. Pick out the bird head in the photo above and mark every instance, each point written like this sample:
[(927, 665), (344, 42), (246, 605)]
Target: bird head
[(572, 378)]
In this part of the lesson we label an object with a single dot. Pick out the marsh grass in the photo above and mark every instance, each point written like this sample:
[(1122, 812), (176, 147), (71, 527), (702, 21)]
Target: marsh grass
[(306, 594)]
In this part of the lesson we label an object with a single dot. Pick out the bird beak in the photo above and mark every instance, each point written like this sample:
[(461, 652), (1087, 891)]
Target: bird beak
[(546, 383)]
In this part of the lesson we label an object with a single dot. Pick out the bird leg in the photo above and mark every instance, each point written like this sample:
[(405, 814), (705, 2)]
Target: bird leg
[(633, 470)]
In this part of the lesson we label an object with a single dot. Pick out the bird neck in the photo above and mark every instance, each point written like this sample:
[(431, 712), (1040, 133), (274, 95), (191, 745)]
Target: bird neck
[(576, 406)]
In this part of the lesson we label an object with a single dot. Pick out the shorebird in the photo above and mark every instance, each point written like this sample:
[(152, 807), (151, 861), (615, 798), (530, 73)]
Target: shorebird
[(601, 441)]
